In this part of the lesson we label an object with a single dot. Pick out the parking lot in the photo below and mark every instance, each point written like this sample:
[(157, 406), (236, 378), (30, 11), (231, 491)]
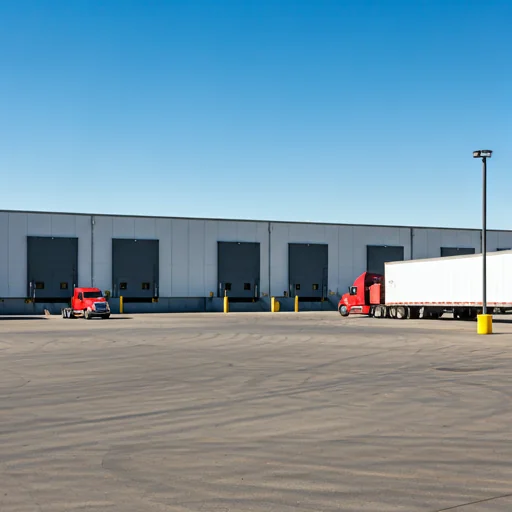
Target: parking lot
[(254, 412)]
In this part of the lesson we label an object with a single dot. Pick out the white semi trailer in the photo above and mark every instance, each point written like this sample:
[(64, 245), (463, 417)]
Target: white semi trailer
[(434, 285), (427, 288)]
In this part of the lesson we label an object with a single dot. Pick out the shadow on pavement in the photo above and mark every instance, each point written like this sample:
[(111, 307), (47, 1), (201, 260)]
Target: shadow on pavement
[(23, 317)]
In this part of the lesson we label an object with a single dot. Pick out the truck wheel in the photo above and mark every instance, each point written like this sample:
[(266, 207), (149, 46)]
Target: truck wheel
[(87, 316), (401, 312), (392, 312), (343, 310), (63, 313)]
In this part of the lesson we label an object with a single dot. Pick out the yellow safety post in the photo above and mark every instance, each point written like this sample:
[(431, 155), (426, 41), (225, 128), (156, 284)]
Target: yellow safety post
[(296, 303), (275, 305), (484, 324), (226, 304), (121, 304)]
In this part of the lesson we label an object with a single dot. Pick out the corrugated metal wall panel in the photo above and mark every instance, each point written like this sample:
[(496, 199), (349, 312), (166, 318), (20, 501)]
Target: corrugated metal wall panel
[(347, 267), (262, 238), (227, 231), (39, 224), (82, 230), (64, 225), (196, 258), (145, 228), (502, 241), (163, 233), (18, 254), (211, 229), (180, 258), (280, 236), (123, 227), (103, 234)]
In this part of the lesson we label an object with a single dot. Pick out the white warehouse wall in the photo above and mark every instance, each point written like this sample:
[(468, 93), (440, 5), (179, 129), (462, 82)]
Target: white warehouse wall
[(14, 229), (187, 250), (188, 247), (427, 242), (346, 253)]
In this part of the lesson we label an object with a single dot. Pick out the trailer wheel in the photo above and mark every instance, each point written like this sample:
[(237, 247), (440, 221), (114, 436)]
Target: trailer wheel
[(401, 312), (343, 310), (392, 312)]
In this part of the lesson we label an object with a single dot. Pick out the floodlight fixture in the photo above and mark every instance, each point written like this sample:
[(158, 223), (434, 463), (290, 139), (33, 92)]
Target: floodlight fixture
[(482, 153)]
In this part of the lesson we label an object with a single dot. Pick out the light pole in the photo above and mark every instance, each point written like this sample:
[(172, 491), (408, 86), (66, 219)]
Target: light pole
[(484, 154)]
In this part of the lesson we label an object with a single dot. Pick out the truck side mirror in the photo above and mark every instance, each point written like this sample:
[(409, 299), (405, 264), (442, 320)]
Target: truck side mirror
[(353, 290)]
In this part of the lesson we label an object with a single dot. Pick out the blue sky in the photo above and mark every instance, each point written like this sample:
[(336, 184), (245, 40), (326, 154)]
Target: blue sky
[(332, 111)]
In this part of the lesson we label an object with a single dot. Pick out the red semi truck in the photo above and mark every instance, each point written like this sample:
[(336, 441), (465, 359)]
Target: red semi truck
[(87, 303)]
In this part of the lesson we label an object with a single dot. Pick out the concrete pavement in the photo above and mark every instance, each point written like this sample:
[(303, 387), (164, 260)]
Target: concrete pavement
[(254, 412)]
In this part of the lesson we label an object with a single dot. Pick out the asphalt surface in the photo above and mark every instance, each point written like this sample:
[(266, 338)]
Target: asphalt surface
[(254, 412)]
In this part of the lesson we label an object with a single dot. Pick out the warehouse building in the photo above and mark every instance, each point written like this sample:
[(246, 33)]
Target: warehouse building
[(188, 264)]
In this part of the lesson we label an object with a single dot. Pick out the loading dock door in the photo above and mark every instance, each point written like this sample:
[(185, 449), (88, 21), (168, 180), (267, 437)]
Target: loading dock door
[(135, 268), (238, 269), (456, 251), (307, 270), (377, 255), (52, 264)]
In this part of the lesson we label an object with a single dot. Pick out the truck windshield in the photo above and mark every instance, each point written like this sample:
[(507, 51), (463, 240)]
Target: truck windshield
[(92, 295)]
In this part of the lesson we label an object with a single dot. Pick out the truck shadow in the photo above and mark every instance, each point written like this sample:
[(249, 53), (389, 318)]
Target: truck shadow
[(502, 320), (22, 318), (115, 318)]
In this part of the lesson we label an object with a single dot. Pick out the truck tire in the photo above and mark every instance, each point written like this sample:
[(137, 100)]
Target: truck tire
[(87, 316), (380, 311), (401, 312), (343, 310)]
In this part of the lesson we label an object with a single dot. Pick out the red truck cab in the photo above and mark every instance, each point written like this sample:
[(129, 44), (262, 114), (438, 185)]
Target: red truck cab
[(366, 292), (89, 303)]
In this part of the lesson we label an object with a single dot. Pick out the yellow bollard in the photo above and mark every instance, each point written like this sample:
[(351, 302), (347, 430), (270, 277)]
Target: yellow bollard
[(296, 303), (275, 305), (226, 304), (121, 304), (484, 324)]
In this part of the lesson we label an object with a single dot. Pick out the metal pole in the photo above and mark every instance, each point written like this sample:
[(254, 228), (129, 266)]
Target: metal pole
[(484, 234)]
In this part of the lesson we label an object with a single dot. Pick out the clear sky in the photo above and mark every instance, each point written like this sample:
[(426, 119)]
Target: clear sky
[(322, 110)]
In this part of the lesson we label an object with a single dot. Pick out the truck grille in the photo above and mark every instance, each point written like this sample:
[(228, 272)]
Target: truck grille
[(100, 307)]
